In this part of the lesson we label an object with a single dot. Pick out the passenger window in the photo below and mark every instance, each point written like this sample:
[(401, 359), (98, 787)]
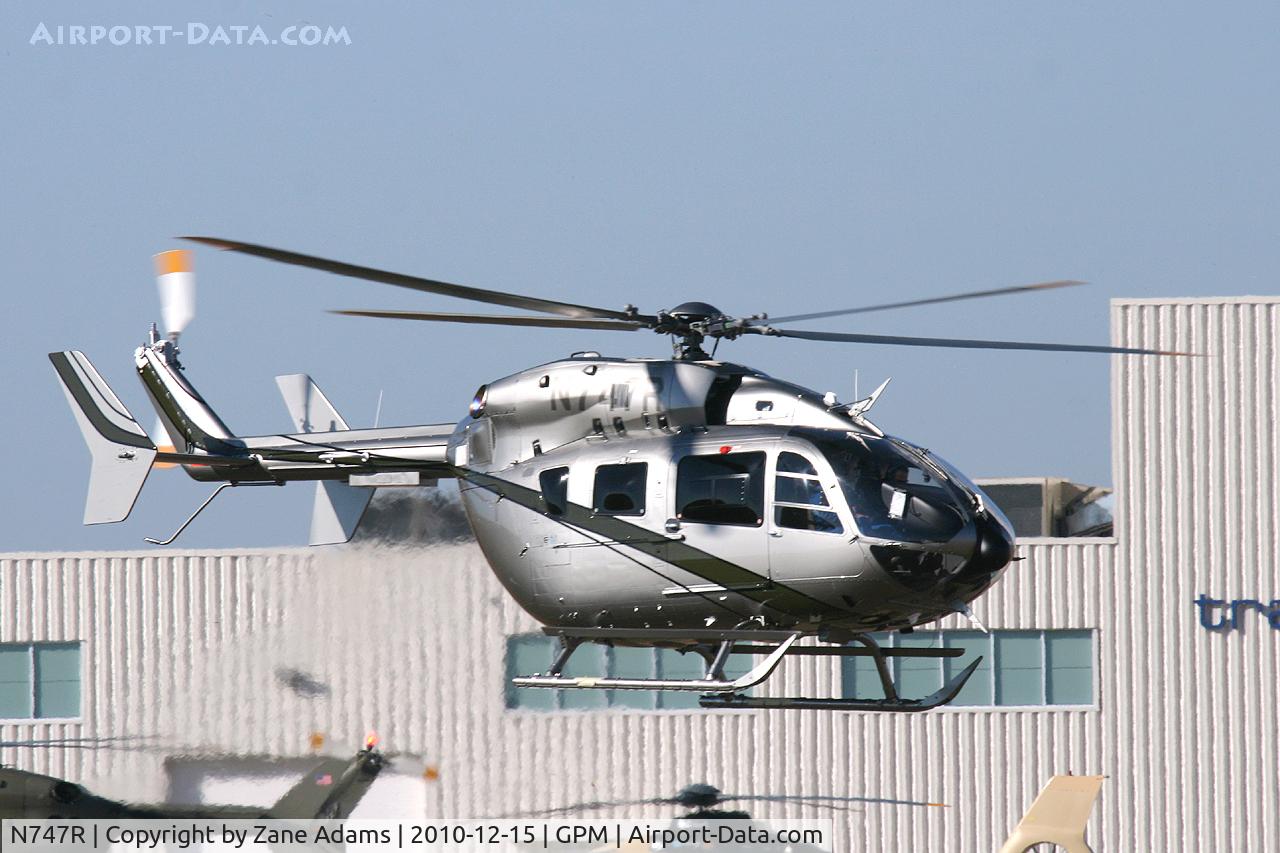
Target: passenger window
[(555, 490), (724, 488), (796, 491), (620, 489)]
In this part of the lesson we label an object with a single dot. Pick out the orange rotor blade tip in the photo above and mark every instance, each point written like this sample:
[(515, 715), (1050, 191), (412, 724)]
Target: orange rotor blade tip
[(316, 740), (174, 260), (431, 774)]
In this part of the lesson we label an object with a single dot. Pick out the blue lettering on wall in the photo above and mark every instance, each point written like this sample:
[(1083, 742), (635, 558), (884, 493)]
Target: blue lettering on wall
[(1217, 614)]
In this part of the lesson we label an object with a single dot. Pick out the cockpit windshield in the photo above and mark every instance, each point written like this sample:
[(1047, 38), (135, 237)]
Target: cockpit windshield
[(958, 477), (893, 492)]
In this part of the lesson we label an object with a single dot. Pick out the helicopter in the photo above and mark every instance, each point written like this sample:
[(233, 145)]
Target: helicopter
[(700, 803), (329, 790), (686, 503), (1060, 814)]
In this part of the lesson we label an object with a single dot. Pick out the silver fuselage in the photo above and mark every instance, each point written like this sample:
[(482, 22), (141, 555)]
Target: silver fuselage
[(645, 493), (782, 514)]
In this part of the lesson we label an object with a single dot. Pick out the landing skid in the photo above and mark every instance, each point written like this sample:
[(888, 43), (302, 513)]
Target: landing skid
[(898, 705), (715, 646)]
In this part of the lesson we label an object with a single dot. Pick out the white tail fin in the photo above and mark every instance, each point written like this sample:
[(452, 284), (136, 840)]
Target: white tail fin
[(336, 512), (338, 507), (309, 408), (122, 453)]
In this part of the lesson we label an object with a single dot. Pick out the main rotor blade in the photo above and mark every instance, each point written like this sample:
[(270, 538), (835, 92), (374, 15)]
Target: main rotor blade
[(932, 300), (128, 742), (823, 799), (598, 804), (427, 285), (960, 343), (499, 320)]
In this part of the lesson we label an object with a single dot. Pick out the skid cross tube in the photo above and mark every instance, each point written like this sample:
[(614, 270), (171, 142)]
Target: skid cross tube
[(714, 682)]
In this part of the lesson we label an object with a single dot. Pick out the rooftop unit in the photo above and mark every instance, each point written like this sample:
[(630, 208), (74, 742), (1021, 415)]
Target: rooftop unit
[(1052, 506)]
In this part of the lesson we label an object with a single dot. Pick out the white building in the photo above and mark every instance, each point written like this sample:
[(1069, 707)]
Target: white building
[(220, 663)]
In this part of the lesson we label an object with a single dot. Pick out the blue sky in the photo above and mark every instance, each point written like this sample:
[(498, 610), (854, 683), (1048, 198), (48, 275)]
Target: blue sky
[(760, 156)]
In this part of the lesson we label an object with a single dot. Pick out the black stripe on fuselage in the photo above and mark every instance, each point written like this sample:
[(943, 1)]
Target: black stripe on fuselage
[(736, 579)]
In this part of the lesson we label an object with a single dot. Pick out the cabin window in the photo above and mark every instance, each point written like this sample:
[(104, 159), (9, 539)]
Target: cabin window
[(721, 488), (796, 493), (555, 490), (620, 489)]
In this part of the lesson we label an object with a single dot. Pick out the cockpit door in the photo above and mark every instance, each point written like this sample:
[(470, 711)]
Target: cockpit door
[(806, 522)]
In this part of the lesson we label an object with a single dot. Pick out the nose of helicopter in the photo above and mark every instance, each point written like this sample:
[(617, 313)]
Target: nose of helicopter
[(994, 546)]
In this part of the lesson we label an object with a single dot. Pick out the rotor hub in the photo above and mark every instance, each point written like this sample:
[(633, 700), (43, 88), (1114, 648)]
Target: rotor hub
[(696, 312), (699, 796)]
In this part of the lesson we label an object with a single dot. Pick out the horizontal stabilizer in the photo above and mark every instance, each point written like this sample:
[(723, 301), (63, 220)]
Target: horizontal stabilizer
[(121, 451)]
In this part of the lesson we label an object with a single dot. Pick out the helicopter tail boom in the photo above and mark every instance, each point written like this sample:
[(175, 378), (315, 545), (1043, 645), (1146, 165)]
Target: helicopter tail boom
[(346, 464), (186, 417)]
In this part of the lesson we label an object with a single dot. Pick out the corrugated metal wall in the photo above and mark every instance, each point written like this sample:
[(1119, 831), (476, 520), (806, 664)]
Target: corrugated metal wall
[(188, 651), (193, 651), (1192, 725)]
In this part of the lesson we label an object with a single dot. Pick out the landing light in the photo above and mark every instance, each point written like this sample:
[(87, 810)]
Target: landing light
[(477, 403)]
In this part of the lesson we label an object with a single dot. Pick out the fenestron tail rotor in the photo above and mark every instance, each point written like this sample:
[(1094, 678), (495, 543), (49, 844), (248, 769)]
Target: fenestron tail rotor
[(689, 324)]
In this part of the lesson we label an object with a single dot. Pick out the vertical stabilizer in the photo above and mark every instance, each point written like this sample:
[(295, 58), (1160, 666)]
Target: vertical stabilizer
[(337, 511), (308, 407), (338, 507)]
